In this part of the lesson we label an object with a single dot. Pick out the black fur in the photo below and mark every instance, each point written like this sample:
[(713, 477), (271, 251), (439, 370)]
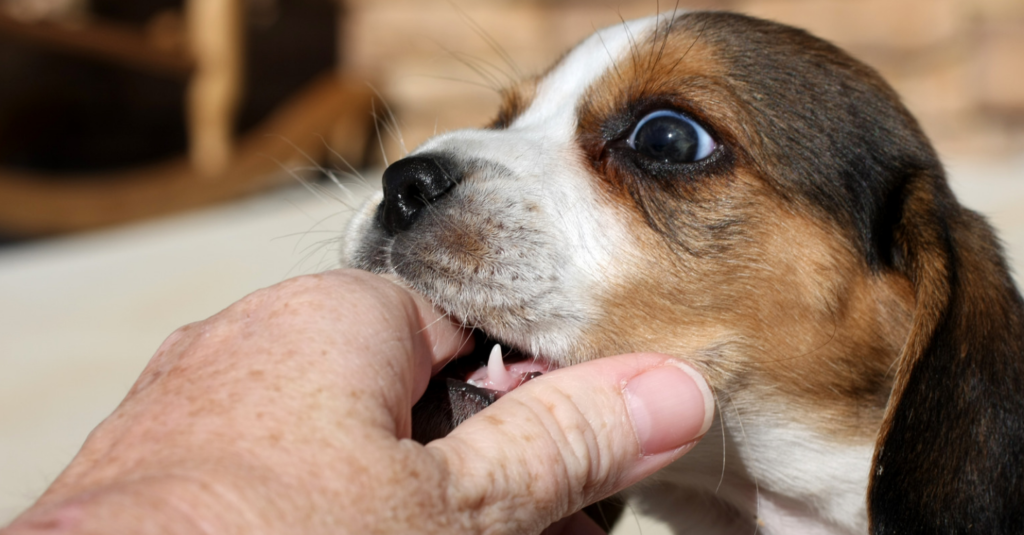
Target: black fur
[(951, 456)]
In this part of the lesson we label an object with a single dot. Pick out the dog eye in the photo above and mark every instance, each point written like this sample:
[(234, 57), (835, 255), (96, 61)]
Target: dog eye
[(671, 137)]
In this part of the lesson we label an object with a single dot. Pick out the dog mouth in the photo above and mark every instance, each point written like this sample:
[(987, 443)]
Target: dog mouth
[(495, 367), (469, 384)]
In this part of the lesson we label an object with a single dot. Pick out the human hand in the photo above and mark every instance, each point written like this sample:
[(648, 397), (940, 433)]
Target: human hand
[(289, 412)]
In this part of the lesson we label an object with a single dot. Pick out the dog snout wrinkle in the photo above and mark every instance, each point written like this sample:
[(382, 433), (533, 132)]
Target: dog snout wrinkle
[(410, 185)]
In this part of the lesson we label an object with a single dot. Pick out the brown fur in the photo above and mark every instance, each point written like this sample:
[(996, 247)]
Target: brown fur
[(778, 291), (815, 266), (803, 306), (798, 326), (514, 101), (949, 450)]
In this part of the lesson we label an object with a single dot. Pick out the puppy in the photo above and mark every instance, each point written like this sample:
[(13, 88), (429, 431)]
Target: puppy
[(751, 198)]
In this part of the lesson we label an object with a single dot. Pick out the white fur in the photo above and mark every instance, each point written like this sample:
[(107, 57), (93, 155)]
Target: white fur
[(538, 149), (780, 476), (752, 472)]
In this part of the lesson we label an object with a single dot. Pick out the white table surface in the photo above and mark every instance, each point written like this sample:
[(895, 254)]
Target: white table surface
[(81, 315)]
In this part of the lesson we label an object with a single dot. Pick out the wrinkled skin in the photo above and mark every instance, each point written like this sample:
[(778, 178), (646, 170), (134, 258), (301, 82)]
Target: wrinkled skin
[(289, 412)]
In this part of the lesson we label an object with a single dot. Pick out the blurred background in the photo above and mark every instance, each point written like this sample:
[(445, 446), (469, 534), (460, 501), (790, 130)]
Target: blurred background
[(160, 159)]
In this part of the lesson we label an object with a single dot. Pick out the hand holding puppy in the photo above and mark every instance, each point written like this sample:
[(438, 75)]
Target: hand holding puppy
[(289, 412)]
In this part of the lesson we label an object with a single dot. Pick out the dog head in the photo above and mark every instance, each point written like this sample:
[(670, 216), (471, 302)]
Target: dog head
[(748, 197)]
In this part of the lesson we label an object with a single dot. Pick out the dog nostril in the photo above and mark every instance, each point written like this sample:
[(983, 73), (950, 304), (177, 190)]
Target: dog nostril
[(410, 184)]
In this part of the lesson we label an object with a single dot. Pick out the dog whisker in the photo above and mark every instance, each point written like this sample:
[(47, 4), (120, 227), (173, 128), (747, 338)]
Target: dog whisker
[(390, 122), (495, 77), (491, 42), (744, 195), (352, 171), (376, 128)]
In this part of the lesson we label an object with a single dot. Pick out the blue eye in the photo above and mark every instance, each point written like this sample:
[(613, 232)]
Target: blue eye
[(671, 137)]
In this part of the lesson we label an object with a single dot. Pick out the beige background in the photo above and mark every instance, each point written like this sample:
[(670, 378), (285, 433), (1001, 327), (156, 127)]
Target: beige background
[(957, 63)]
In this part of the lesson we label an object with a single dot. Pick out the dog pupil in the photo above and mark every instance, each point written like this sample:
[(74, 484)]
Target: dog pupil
[(668, 139)]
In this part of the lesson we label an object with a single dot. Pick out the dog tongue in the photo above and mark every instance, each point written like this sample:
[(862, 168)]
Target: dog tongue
[(501, 378)]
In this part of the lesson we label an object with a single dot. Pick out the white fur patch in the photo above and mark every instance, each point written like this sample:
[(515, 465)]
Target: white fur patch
[(766, 471), (545, 243), (530, 175)]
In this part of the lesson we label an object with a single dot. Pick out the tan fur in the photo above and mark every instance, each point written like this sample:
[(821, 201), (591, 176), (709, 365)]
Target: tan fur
[(814, 266), (514, 101), (789, 316), (793, 316)]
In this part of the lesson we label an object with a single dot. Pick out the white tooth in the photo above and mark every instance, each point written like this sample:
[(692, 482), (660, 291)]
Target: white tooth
[(496, 371)]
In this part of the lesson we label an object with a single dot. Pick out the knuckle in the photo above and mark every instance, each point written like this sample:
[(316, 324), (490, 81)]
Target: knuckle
[(307, 291), (584, 435), (559, 448), (302, 286), (578, 446), (541, 459)]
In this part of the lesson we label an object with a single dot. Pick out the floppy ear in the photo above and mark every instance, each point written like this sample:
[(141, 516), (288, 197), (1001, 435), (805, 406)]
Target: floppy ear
[(950, 453)]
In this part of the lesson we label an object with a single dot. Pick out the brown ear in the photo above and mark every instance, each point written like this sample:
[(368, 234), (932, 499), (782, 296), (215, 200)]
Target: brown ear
[(950, 453)]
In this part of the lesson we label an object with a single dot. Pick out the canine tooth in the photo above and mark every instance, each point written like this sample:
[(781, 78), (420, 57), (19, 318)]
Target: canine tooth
[(496, 371)]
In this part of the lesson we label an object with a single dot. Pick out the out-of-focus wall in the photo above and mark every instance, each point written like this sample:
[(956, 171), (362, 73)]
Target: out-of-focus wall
[(959, 64)]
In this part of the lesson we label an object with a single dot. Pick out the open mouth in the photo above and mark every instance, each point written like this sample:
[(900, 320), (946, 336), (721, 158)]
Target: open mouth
[(469, 384), (495, 368)]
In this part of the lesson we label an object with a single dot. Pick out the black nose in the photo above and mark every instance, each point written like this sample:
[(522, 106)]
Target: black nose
[(410, 184)]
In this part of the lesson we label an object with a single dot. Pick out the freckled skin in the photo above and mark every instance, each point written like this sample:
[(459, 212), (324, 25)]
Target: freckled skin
[(259, 421), (213, 369)]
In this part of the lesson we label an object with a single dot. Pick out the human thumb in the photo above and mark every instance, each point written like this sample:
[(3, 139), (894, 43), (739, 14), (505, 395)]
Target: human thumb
[(572, 437)]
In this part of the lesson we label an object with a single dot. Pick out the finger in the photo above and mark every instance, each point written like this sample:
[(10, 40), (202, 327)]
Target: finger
[(392, 341), (446, 338), (355, 337), (572, 437)]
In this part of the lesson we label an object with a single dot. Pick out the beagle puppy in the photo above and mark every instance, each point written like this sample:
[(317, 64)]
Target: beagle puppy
[(747, 196)]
